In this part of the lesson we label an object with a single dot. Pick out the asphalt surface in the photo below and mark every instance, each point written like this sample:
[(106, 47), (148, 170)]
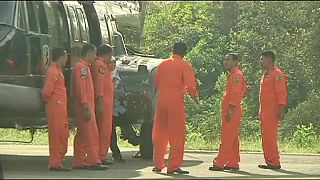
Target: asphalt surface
[(31, 162)]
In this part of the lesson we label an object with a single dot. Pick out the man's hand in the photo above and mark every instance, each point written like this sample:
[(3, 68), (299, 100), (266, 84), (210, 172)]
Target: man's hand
[(100, 108), (86, 112), (230, 113), (281, 112)]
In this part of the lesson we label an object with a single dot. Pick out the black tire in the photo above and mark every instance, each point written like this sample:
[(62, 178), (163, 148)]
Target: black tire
[(146, 146)]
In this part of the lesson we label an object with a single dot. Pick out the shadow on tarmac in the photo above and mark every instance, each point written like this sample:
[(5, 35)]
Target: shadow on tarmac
[(24, 166), (286, 174), (32, 167)]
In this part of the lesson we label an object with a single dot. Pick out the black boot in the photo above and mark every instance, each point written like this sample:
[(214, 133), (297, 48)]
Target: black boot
[(215, 168), (98, 167), (118, 158), (178, 171), (156, 170), (59, 169), (268, 166)]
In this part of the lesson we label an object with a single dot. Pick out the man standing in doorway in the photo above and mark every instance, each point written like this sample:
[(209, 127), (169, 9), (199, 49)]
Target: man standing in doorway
[(55, 95), (229, 155), (86, 141), (174, 77), (273, 100)]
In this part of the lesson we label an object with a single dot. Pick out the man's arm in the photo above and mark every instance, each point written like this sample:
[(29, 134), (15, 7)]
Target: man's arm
[(81, 74), (190, 82), (281, 87), (49, 84), (236, 92), (99, 88)]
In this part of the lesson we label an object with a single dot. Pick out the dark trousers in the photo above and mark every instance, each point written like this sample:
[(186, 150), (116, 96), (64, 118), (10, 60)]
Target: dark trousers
[(1, 171), (123, 121), (114, 143)]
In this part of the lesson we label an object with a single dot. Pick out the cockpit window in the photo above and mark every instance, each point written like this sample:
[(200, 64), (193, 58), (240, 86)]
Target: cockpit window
[(13, 59), (7, 10)]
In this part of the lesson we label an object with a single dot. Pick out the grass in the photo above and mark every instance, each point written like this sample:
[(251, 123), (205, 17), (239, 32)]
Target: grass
[(41, 137), (254, 144), (194, 142)]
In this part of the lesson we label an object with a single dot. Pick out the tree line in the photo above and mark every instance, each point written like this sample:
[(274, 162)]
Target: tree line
[(213, 29)]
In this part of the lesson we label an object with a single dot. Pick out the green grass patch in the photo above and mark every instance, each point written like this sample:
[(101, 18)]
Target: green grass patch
[(194, 141), (41, 137)]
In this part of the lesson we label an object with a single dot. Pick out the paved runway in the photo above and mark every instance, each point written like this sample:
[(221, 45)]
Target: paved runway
[(31, 162)]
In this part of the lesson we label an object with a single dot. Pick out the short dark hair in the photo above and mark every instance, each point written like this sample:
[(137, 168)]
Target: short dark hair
[(88, 48), (57, 53), (104, 49), (235, 56), (180, 48), (269, 54)]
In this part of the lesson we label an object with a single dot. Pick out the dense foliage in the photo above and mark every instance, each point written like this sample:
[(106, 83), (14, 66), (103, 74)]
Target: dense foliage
[(212, 29)]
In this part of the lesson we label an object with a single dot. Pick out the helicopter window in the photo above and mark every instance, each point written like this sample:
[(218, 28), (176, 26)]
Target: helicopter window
[(35, 55), (84, 31), (105, 30), (74, 24), (109, 26), (13, 60), (42, 19), (7, 9), (60, 28), (21, 22), (31, 17)]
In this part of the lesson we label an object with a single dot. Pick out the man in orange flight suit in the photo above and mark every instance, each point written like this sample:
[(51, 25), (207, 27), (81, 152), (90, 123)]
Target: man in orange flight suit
[(273, 100), (55, 95), (86, 141), (229, 155), (103, 87), (174, 77)]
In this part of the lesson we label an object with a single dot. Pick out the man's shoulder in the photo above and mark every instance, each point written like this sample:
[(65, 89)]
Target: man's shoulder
[(98, 65), (165, 61), (239, 73), (237, 76), (51, 70), (80, 65), (278, 72), (278, 75), (98, 62)]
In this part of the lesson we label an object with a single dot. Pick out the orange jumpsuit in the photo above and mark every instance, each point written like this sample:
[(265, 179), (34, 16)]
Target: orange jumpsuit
[(173, 78), (86, 141), (103, 86), (273, 92), (55, 95), (229, 154)]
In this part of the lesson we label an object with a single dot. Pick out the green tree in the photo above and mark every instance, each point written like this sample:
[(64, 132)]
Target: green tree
[(212, 29)]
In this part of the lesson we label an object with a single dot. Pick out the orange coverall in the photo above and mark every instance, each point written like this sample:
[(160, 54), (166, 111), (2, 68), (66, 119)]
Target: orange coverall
[(86, 141), (173, 78), (273, 92), (229, 154), (103, 86), (55, 95)]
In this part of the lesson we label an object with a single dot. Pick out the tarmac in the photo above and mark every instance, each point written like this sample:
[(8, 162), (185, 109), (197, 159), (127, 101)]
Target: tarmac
[(31, 162)]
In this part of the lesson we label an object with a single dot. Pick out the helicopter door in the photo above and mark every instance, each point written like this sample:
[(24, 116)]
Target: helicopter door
[(38, 42)]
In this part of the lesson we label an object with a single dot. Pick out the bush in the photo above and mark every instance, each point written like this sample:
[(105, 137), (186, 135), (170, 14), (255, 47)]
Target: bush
[(305, 113), (206, 117), (195, 137), (305, 136)]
